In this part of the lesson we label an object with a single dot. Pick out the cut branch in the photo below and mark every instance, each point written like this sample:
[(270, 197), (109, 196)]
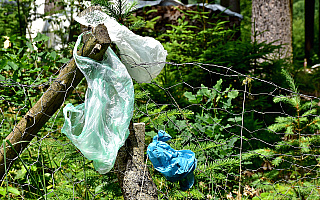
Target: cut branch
[(68, 79)]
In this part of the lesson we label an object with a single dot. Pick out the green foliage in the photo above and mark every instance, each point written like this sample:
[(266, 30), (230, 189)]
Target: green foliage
[(205, 133), (246, 23), (61, 172), (304, 122), (186, 44), (202, 118), (211, 43), (19, 66), (216, 108), (120, 10), (13, 17), (299, 139), (298, 34)]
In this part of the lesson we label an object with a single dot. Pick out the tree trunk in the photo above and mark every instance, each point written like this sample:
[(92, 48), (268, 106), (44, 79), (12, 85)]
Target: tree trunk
[(133, 175), (309, 28), (272, 20)]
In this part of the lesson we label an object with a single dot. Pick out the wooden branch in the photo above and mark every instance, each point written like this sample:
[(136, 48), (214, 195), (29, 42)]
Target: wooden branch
[(133, 175), (68, 79)]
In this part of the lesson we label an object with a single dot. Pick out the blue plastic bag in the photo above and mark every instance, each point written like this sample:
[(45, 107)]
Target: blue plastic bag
[(174, 165)]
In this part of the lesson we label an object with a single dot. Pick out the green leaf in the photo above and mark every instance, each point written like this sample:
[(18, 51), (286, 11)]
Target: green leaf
[(218, 85), (191, 97), (41, 37), (20, 50), (34, 168), (310, 112), (280, 98), (21, 173), (42, 53), (3, 191), (204, 91), (100, 188), (277, 161), (233, 94), (13, 65), (30, 46), (53, 55), (232, 141), (151, 134), (13, 190), (63, 60), (150, 11), (45, 67)]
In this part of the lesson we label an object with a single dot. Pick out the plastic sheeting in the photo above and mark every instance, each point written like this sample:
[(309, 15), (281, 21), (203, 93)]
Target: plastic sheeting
[(144, 57), (99, 126), (174, 165)]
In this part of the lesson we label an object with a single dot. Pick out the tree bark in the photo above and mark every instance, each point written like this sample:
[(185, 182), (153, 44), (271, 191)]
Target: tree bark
[(133, 175), (309, 6), (68, 78), (272, 20)]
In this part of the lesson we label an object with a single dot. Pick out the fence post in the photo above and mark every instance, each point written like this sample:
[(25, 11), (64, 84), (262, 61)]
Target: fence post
[(133, 175)]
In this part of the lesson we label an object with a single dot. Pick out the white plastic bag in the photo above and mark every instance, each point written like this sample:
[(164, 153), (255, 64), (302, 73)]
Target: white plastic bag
[(144, 57)]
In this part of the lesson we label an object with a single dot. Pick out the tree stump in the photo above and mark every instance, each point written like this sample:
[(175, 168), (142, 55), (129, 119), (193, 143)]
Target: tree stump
[(133, 175)]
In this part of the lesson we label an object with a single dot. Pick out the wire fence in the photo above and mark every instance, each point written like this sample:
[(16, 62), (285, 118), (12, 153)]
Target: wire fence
[(252, 138)]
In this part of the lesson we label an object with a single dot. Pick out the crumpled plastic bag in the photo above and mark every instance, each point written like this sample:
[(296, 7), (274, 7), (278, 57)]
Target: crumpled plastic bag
[(144, 57), (99, 126), (174, 165)]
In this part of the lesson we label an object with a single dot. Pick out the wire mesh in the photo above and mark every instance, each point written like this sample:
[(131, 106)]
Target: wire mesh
[(252, 138)]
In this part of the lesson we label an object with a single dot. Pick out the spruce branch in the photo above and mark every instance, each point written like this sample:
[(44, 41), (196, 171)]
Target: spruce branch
[(118, 9)]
